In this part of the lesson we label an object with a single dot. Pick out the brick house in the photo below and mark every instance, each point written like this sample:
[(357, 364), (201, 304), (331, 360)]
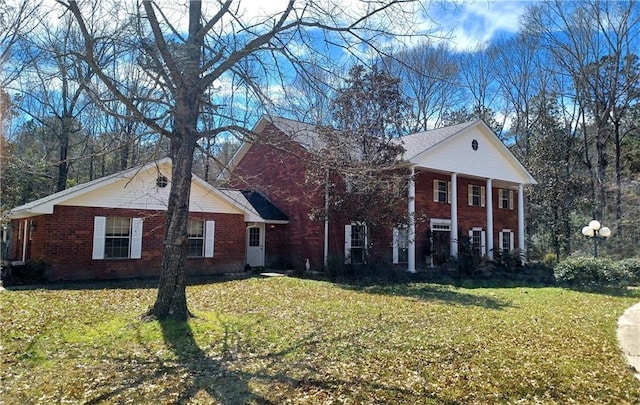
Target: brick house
[(463, 183), (114, 227)]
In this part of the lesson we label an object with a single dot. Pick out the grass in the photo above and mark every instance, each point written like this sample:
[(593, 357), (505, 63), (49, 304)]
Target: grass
[(285, 340)]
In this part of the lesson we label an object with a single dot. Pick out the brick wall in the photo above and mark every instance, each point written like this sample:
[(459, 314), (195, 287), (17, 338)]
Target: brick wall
[(468, 216), (64, 241), (275, 166)]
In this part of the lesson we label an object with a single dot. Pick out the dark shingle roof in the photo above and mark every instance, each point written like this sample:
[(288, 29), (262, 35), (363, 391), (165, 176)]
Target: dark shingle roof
[(264, 207)]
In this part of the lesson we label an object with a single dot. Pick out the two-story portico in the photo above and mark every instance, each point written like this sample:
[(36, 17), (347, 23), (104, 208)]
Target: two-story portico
[(466, 182)]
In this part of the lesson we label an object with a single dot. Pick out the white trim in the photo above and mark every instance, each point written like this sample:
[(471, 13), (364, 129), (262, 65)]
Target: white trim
[(501, 238), (347, 244), (99, 231), (24, 240), (490, 219), (209, 236), (521, 244), (483, 238), (396, 244), (136, 238), (454, 215), (411, 248)]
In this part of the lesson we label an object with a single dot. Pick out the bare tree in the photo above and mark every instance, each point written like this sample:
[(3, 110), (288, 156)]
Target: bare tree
[(429, 78), (596, 56), (222, 43)]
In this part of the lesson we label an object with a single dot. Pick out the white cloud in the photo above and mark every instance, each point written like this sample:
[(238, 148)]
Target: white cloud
[(473, 23)]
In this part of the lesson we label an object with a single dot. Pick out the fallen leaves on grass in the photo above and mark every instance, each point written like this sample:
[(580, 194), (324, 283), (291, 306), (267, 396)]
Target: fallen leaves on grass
[(284, 340)]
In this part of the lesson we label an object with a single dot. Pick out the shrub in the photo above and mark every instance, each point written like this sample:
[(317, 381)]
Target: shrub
[(631, 267), (550, 259), (583, 271)]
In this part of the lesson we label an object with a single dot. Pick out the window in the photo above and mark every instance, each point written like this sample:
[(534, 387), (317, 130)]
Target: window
[(506, 240), (400, 245), (476, 195), (195, 244), (505, 199), (441, 191), (477, 240), (355, 236), (254, 237), (201, 236), (117, 238)]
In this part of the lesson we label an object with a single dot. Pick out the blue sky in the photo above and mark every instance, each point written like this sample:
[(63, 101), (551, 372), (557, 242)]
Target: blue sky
[(470, 23)]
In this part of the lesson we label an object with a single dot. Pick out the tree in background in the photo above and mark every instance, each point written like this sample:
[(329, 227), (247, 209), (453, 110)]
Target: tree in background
[(429, 78), (361, 150)]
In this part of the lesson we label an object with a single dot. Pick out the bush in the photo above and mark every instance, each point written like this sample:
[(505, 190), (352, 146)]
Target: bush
[(631, 267), (591, 272), (550, 259)]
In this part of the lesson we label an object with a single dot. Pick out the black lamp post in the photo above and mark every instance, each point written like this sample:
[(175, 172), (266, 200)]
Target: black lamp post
[(596, 231)]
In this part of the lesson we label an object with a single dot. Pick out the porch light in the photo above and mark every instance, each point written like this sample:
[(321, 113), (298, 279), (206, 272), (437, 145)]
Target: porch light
[(596, 231)]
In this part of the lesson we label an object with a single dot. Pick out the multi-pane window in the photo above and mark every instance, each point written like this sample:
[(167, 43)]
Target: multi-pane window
[(254, 237), (195, 243), (117, 240), (476, 195), (476, 242), (505, 199), (506, 240), (355, 243), (440, 191), (401, 245)]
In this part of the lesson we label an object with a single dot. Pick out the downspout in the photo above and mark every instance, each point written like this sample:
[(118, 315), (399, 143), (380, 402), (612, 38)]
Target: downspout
[(326, 220)]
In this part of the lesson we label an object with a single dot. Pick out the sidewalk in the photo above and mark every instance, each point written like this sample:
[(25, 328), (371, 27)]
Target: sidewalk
[(629, 337)]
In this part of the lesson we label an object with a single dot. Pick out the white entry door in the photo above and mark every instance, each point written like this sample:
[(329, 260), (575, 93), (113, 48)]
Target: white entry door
[(255, 245)]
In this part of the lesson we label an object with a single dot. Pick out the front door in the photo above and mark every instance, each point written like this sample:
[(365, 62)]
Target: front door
[(255, 245), (441, 247)]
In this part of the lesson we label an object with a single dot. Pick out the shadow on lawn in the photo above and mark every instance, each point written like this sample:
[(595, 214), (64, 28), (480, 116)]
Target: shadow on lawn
[(431, 292), (276, 371), (205, 373)]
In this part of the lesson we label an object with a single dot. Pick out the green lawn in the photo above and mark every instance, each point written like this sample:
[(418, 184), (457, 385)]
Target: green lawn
[(285, 340)]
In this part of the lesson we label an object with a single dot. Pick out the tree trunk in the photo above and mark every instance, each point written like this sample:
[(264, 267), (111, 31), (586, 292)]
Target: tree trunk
[(171, 301)]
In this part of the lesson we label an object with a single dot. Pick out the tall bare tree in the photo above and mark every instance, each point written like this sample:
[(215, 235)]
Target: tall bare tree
[(222, 43)]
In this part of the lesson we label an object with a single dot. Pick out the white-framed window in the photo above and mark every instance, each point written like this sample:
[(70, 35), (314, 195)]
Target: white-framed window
[(506, 240), (201, 238), (401, 244), (477, 238), (505, 199), (441, 191), (117, 238), (355, 243), (476, 195)]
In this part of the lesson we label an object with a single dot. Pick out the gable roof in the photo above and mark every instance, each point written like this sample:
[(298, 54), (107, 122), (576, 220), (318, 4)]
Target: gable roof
[(302, 133), (136, 188), (450, 150), (416, 143), (258, 204), (425, 149)]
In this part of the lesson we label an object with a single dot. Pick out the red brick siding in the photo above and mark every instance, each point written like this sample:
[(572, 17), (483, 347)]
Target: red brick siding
[(64, 241), (275, 167), (468, 216)]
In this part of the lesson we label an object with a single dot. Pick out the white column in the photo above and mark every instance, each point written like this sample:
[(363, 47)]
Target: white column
[(454, 215), (521, 222), (25, 235), (489, 204), (411, 248)]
